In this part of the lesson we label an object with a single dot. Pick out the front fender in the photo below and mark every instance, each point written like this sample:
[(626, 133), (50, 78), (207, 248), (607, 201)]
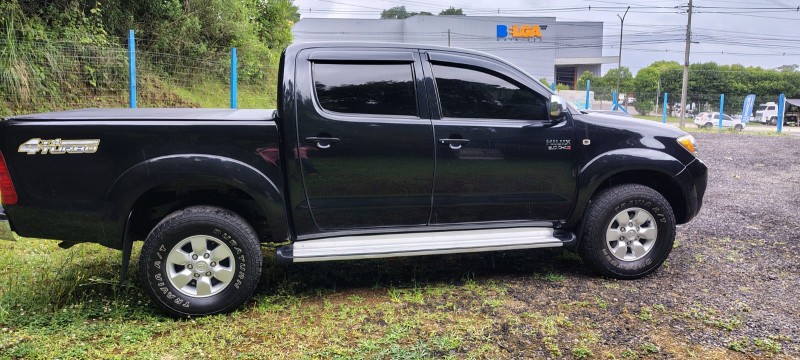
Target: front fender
[(142, 177), (605, 165)]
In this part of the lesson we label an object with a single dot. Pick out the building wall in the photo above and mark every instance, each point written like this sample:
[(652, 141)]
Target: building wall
[(535, 56)]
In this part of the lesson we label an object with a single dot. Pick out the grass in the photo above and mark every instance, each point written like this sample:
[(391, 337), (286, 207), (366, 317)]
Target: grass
[(67, 304)]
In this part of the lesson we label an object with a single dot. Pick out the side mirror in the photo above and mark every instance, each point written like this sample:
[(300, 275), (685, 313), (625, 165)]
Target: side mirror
[(558, 108)]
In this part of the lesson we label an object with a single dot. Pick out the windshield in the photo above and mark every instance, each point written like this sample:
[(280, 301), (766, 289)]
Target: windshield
[(762, 108)]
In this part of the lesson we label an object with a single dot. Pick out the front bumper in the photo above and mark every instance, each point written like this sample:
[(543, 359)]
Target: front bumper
[(695, 179), (5, 227)]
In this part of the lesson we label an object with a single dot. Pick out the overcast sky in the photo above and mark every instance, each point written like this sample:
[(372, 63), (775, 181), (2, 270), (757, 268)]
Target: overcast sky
[(762, 33)]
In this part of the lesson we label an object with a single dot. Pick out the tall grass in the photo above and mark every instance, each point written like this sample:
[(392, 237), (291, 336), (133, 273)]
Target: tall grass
[(41, 70)]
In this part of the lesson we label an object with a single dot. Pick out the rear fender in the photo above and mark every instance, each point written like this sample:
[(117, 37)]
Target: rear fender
[(149, 174)]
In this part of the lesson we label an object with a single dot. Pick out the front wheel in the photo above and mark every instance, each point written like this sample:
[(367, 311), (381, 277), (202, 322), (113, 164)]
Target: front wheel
[(199, 261), (628, 232), (773, 121), (738, 127)]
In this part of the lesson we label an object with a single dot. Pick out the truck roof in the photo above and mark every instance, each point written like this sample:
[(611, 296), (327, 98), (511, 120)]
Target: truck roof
[(153, 114)]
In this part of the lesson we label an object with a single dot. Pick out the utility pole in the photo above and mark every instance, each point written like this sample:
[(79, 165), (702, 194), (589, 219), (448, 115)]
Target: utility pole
[(448, 37), (619, 59), (685, 87), (658, 91)]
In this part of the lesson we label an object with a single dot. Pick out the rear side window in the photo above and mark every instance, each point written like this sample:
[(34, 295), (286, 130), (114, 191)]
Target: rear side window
[(467, 93), (385, 89)]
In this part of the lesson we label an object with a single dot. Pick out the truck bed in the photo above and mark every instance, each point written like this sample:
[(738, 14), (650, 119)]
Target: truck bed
[(81, 196)]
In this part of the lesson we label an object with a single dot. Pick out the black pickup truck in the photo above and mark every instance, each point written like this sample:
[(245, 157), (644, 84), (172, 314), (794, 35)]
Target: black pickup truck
[(375, 150)]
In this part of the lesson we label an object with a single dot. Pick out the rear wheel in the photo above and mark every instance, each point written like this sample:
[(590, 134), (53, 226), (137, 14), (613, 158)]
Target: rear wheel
[(628, 232), (738, 127), (201, 260), (708, 125)]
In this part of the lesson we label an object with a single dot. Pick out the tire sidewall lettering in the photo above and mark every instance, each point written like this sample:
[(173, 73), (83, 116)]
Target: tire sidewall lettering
[(652, 258), (173, 298)]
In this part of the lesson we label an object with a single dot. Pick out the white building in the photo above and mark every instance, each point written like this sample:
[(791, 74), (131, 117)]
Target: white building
[(542, 46)]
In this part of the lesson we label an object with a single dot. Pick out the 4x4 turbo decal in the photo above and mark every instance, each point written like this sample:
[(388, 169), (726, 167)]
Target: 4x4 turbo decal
[(58, 146)]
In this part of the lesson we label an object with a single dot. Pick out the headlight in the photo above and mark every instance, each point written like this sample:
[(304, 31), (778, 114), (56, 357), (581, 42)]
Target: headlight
[(687, 142)]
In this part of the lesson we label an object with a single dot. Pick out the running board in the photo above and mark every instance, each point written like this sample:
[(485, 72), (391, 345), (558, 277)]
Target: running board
[(423, 243)]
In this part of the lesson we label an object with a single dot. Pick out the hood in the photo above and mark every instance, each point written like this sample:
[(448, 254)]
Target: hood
[(652, 128)]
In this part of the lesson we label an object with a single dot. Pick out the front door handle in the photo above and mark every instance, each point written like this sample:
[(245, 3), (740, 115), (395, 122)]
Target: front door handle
[(322, 142), (454, 144)]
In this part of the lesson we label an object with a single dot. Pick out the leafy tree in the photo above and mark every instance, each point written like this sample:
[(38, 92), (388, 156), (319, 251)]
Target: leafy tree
[(626, 80), (275, 20), (545, 82), (787, 68), (452, 11), (400, 12), (397, 12)]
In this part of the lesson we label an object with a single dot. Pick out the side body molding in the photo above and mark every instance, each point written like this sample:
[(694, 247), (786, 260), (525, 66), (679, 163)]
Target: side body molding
[(151, 173), (603, 166)]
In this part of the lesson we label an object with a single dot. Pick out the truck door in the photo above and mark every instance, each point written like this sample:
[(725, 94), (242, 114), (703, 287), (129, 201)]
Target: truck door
[(497, 158), (364, 138)]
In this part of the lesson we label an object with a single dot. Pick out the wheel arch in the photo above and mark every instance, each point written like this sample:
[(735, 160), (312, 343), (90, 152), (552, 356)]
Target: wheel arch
[(652, 168), (163, 184)]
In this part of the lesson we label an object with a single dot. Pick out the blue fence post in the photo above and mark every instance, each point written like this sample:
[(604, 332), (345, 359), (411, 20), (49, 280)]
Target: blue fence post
[(553, 86), (664, 118), (781, 107), (132, 69), (721, 108), (614, 103), (588, 87), (234, 76)]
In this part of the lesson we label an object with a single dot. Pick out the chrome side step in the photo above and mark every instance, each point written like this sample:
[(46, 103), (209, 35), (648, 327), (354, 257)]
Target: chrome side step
[(423, 243)]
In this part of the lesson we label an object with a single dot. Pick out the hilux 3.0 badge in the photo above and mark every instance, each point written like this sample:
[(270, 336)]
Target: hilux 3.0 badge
[(58, 146), (557, 144)]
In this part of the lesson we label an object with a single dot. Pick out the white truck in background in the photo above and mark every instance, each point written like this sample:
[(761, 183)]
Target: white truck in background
[(766, 114)]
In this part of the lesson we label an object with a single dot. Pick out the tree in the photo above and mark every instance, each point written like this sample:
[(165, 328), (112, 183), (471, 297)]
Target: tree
[(276, 18), (397, 12), (452, 11), (626, 80), (400, 12)]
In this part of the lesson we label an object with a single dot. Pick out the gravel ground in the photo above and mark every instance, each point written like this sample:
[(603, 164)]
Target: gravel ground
[(732, 282), (729, 289), (748, 236)]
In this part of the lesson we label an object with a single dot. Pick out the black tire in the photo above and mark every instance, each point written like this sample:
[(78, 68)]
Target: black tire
[(773, 121), (218, 227), (738, 127), (600, 215), (708, 125)]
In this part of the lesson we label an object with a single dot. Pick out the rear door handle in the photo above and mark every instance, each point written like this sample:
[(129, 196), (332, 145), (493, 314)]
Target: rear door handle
[(454, 144), (322, 142)]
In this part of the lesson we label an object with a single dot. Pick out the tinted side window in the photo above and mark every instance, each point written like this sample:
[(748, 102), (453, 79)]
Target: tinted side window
[(385, 89), (467, 93)]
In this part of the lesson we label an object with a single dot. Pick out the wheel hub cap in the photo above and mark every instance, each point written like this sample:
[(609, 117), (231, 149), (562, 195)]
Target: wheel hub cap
[(631, 234), (200, 266)]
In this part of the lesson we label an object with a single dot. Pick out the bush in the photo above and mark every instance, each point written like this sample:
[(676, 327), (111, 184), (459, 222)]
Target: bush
[(644, 107)]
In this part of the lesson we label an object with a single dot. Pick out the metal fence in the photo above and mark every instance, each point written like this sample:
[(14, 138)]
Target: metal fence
[(40, 76)]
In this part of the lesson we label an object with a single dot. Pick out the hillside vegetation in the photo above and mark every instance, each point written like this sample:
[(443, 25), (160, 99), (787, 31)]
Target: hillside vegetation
[(57, 54)]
